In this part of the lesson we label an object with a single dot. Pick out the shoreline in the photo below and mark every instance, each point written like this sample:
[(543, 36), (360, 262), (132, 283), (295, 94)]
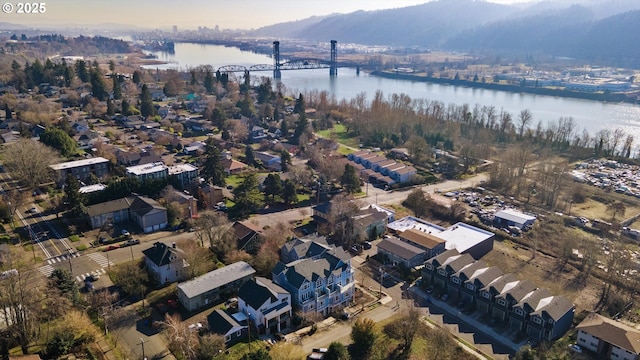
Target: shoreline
[(601, 97)]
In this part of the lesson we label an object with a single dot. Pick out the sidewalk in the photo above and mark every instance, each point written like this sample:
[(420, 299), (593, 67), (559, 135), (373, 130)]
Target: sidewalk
[(481, 327)]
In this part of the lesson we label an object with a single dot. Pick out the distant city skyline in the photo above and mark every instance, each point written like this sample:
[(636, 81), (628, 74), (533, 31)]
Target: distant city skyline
[(227, 14)]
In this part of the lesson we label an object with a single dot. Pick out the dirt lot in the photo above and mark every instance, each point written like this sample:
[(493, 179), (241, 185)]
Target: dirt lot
[(545, 271)]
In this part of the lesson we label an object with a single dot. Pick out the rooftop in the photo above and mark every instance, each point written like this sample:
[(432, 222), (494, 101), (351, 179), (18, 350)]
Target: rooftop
[(78, 163), (181, 168), (216, 278), (463, 236), (147, 168), (410, 222)]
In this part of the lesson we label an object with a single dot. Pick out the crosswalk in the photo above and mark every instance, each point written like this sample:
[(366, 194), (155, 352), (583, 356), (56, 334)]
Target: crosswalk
[(60, 258), (81, 277), (100, 259), (46, 270)]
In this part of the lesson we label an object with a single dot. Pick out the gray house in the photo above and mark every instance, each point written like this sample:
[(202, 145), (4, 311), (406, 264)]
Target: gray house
[(144, 211), (401, 253), (209, 288), (223, 324)]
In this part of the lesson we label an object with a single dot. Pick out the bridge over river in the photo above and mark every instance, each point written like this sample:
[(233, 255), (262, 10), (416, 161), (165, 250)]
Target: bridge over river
[(294, 63)]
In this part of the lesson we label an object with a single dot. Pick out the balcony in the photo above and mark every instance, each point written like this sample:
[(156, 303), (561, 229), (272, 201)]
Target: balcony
[(347, 287)]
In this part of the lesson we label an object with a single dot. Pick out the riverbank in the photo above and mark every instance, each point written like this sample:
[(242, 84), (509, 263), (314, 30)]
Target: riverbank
[(604, 97)]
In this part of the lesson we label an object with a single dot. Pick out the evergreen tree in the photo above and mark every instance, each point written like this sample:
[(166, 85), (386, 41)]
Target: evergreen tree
[(249, 157), (146, 102), (74, 200), (111, 108), (247, 196), (208, 81), (117, 89), (289, 192), (98, 88), (284, 128), (66, 284), (137, 77), (285, 160), (272, 186), (81, 71), (337, 351), (212, 170), (349, 180), (246, 105), (303, 123), (59, 140), (125, 107)]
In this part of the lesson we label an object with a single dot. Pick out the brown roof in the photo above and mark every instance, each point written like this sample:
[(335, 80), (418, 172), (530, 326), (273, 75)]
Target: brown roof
[(421, 238), (231, 164), (611, 331), (244, 228)]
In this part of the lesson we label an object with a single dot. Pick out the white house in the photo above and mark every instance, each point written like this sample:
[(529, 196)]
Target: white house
[(267, 305), (165, 263)]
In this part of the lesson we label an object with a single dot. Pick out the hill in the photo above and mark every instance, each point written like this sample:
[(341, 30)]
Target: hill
[(599, 31)]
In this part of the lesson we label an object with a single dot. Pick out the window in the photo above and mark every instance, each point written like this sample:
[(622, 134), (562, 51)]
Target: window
[(305, 286), (227, 338), (550, 321), (455, 280), (305, 296), (319, 283), (537, 320), (330, 280), (486, 295), (428, 266), (239, 333), (502, 302), (442, 272), (519, 311), (471, 287)]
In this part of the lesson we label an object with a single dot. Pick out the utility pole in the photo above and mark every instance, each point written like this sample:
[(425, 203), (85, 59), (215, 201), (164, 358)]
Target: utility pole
[(70, 267), (142, 344), (131, 248), (380, 282)]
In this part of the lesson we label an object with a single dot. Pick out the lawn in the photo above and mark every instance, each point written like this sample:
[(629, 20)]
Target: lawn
[(339, 133)]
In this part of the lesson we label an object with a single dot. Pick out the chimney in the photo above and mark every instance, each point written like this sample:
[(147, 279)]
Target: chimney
[(173, 245)]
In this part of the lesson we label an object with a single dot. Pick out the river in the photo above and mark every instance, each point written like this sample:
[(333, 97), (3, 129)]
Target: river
[(590, 115)]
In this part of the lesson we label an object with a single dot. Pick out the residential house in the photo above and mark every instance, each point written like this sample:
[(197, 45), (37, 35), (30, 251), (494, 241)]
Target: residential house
[(401, 253), (608, 339), (81, 169), (431, 244), (322, 212), (165, 263), (248, 236), (457, 280), (370, 162), (127, 158), (185, 174), (431, 266), (210, 288), (318, 286), (486, 296), (156, 170), (308, 247), (369, 224), (267, 305), (144, 211), (269, 161), (478, 280), (449, 267), (511, 217), (210, 195), (542, 316), (403, 175), (511, 295), (226, 325), (187, 203), (257, 134), (233, 167)]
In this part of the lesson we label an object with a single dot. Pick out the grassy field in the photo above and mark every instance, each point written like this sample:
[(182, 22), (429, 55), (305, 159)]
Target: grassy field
[(339, 133)]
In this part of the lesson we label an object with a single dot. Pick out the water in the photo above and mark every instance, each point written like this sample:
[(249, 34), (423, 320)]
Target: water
[(590, 115)]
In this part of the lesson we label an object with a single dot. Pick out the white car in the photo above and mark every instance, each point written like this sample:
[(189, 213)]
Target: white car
[(125, 232), (576, 348)]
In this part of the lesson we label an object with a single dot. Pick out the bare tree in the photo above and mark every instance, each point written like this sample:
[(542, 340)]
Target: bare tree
[(181, 338), (215, 230), (198, 258), (28, 162), (524, 119)]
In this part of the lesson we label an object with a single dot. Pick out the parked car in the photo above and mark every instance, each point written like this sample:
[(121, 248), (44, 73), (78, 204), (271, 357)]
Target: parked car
[(33, 210), (231, 302), (131, 242), (576, 348), (111, 247), (124, 232), (430, 289), (92, 277), (367, 245)]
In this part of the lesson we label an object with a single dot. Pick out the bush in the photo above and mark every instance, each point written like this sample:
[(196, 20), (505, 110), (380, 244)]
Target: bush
[(82, 247), (74, 238)]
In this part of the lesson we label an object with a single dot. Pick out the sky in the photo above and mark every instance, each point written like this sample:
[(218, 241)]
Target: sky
[(189, 14)]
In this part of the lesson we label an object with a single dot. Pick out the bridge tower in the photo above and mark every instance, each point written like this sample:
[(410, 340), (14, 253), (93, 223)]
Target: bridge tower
[(276, 60), (333, 64)]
